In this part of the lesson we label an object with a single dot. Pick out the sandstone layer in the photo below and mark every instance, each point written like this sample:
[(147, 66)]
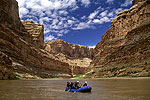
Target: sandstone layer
[(37, 32), (124, 49)]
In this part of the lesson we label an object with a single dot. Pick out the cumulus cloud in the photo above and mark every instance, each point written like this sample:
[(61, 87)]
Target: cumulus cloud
[(102, 20), (23, 11), (104, 13), (49, 38), (110, 1), (56, 18), (85, 2), (92, 15), (81, 25), (126, 3), (118, 10)]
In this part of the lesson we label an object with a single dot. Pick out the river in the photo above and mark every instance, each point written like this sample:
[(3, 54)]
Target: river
[(112, 89)]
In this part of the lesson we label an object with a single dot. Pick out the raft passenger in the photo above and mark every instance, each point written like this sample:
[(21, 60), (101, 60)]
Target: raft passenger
[(85, 84)]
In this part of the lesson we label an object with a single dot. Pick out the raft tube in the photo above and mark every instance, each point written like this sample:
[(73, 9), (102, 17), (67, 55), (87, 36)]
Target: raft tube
[(82, 89)]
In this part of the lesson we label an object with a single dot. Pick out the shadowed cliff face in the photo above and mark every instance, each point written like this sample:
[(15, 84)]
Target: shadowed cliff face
[(6, 69), (22, 43), (124, 49), (22, 49)]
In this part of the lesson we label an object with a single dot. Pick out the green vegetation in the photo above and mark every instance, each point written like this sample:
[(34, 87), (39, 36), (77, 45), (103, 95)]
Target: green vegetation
[(146, 75), (83, 76), (78, 76), (18, 76)]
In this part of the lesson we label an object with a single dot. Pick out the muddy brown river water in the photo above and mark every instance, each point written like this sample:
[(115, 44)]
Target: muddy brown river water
[(113, 89)]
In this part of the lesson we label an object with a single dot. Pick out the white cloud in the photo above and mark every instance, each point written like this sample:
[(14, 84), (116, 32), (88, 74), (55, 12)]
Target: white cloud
[(102, 20), (85, 2), (110, 1), (92, 15), (104, 13), (96, 21), (23, 11), (111, 14), (44, 19), (70, 22), (56, 18), (126, 3), (83, 17), (21, 2), (118, 10), (59, 34), (81, 25), (49, 38), (63, 12), (55, 21), (93, 46)]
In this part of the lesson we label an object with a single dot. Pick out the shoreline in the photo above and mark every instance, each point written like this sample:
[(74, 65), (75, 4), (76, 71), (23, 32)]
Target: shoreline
[(112, 78)]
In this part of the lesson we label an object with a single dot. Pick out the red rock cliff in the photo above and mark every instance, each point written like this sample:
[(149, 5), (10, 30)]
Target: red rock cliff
[(121, 52)]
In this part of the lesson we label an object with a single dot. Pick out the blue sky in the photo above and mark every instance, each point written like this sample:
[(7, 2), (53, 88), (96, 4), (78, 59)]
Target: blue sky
[(75, 21)]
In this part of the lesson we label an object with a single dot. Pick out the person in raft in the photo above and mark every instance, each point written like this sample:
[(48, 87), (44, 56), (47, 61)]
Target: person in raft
[(85, 84), (77, 84), (68, 85)]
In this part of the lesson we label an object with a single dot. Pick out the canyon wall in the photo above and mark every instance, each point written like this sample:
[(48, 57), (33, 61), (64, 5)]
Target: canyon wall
[(22, 44), (70, 50), (77, 56), (121, 52)]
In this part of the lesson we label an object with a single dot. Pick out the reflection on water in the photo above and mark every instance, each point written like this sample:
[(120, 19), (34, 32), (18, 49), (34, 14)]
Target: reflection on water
[(54, 90)]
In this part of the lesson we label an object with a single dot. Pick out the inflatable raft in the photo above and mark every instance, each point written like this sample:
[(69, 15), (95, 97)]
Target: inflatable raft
[(82, 89)]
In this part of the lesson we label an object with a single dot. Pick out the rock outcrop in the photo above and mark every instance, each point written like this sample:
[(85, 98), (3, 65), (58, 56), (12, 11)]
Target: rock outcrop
[(18, 42), (6, 69), (124, 49), (77, 56), (70, 50), (37, 32)]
